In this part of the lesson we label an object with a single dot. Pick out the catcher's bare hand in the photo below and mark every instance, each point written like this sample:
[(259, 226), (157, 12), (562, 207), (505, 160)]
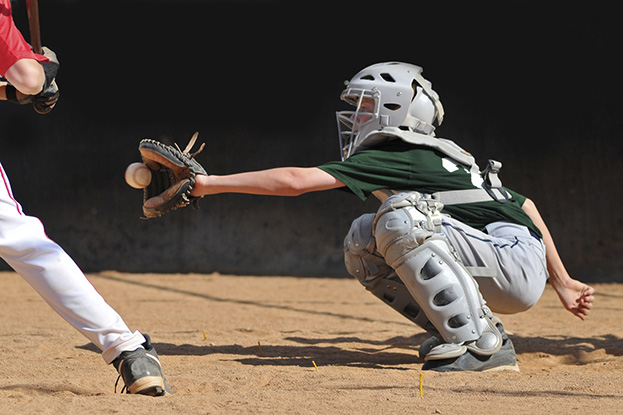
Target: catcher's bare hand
[(576, 297)]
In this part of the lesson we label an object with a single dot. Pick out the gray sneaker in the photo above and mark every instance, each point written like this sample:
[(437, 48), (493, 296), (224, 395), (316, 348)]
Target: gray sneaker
[(504, 359), (141, 371)]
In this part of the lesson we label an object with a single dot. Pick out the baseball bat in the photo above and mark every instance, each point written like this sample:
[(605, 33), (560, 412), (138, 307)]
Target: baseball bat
[(33, 22)]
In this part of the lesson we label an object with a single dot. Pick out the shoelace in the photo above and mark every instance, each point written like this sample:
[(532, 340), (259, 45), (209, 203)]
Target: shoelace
[(124, 389)]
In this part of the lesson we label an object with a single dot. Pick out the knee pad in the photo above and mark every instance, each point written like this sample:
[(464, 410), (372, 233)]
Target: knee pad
[(364, 262), (403, 222), (362, 259)]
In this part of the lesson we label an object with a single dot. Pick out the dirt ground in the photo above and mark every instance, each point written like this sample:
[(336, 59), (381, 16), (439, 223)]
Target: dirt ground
[(281, 345)]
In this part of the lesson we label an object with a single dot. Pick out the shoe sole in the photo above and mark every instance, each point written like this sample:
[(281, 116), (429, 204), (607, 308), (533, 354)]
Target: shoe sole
[(446, 366), (514, 368), (148, 385)]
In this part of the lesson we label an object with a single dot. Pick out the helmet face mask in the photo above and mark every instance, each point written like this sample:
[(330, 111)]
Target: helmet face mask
[(402, 98), (350, 124)]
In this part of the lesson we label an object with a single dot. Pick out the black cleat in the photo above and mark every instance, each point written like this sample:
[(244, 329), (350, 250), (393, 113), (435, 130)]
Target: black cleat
[(141, 371)]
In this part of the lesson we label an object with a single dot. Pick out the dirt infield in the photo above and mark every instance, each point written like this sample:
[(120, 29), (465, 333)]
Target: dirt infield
[(281, 345)]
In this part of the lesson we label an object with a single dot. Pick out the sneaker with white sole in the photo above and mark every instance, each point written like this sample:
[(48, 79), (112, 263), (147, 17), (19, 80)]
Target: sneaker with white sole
[(504, 359)]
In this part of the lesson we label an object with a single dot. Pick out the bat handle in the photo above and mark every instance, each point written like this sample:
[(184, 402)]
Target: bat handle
[(33, 22)]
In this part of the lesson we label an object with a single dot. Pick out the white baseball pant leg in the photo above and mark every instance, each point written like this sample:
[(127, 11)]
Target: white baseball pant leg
[(58, 280)]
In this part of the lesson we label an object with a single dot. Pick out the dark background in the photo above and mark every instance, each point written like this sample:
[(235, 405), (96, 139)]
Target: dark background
[(537, 88)]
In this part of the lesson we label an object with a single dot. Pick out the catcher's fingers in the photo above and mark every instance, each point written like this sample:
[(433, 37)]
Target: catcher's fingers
[(585, 303)]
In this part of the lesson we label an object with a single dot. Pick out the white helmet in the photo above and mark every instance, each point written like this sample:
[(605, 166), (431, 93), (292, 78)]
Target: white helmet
[(402, 98)]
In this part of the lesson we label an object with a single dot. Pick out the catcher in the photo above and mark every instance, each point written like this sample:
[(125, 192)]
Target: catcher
[(449, 244)]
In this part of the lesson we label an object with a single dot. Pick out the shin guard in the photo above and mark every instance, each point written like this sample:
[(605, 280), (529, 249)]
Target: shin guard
[(436, 279)]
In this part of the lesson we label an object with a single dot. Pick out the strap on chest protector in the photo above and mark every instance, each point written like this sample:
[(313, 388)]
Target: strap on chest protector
[(491, 189)]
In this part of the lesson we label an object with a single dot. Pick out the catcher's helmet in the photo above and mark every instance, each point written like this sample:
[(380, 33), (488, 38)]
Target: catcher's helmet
[(401, 96)]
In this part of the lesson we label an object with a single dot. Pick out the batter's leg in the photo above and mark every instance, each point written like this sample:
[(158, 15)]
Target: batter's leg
[(55, 276)]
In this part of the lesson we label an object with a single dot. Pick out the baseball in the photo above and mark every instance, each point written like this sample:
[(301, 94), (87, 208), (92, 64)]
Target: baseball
[(138, 175)]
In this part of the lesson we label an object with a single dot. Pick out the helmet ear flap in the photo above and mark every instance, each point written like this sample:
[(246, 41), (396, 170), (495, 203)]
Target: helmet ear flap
[(422, 107), (427, 87)]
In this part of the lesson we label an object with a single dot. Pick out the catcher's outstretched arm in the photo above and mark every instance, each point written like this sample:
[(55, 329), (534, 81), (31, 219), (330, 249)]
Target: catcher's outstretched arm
[(178, 180), (281, 181)]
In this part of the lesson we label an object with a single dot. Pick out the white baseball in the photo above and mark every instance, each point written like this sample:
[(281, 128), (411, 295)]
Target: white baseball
[(138, 175)]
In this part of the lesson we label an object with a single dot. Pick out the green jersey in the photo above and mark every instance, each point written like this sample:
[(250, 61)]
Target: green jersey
[(397, 165)]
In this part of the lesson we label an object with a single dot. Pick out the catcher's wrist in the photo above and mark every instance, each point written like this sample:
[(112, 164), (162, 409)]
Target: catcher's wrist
[(200, 186)]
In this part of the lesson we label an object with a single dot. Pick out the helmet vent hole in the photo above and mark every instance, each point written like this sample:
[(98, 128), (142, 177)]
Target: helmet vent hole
[(368, 77), (392, 107), (387, 77)]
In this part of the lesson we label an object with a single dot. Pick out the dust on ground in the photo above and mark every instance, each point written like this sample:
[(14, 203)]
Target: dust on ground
[(285, 345)]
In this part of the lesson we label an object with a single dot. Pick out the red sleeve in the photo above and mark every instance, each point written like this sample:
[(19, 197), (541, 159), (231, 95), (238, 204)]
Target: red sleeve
[(13, 47)]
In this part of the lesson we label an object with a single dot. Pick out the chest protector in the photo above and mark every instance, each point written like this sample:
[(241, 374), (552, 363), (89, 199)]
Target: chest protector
[(490, 189)]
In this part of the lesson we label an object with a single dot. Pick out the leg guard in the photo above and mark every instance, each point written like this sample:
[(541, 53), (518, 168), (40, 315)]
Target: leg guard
[(435, 277), (361, 258), (364, 262)]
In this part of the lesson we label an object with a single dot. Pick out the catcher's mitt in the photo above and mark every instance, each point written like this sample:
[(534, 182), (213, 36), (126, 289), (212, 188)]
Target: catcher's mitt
[(173, 174)]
